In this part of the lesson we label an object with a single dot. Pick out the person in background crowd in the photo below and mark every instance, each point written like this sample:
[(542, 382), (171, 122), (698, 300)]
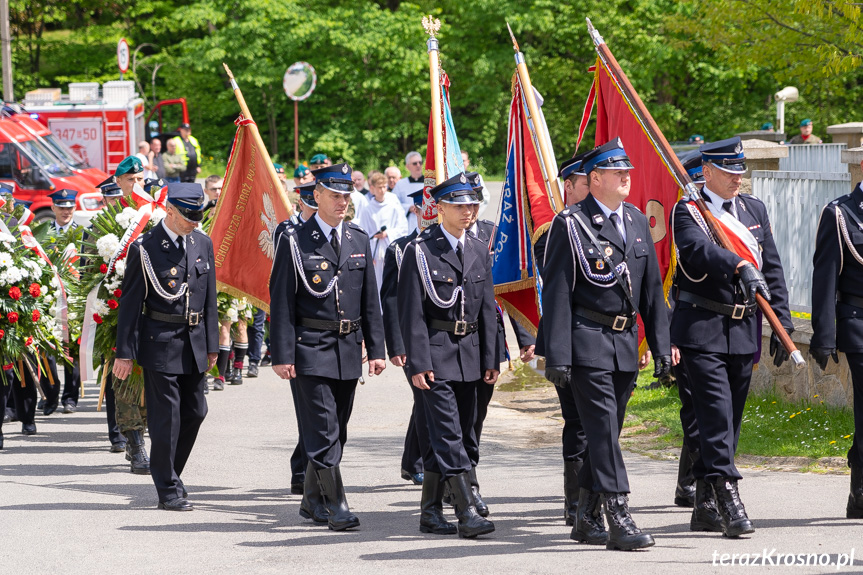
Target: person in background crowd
[(389, 218), (319, 161), (213, 189), (156, 162), (359, 180), (144, 155), (696, 139), (406, 186), (805, 136), (280, 172), (303, 175), (173, 162), (190, 150), (483, 200), (766, 127), (393, 175)]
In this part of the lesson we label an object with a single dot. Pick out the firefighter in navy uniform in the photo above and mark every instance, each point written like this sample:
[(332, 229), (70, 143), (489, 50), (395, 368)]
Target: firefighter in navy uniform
[(299, 461), (168, 320), (837, 313), (715, 325), (595, 350), (485, 231), (323, 304), (574, 442), (416, 443), (445, 287)]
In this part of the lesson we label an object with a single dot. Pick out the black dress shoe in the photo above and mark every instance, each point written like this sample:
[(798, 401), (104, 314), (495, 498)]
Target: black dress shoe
[(218, 384), (70, 408), (267, 359), (41, 404), (415, 478), (118, 447), (296, 488), (178, 504), (50, 407), (252, 371), (28, 429)]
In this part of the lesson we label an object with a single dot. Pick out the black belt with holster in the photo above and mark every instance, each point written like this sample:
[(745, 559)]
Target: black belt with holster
[(454, 327), (735, 311), (194, 317), (343, 327), (615, 322), (852, 300)]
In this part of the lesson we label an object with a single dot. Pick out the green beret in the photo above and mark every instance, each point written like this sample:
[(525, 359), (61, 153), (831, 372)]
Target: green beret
[(301, 171), (318, 159), (806, 122), (280, 169), (131, 165)]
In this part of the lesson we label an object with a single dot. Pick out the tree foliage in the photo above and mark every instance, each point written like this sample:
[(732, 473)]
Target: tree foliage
[(702, 66)]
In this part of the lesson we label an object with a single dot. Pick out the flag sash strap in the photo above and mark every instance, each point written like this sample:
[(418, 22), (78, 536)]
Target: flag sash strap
[(744, 243)]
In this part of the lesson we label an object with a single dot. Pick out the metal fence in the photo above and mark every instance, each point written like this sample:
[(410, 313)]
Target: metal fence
[(794, 201), (814, 158)]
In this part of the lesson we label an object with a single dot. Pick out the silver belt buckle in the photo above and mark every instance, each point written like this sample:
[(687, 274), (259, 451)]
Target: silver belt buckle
[(194, 318), (619, 323), (460, 328), (738, 312), (344, 326)]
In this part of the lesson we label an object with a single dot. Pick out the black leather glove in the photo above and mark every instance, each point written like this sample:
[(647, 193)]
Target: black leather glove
[(777, 350), (753, 281), (662, 367), (822, 355), (558, 375)]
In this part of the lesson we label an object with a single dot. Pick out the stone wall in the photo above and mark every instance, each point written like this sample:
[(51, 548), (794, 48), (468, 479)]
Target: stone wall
[(833, 386)]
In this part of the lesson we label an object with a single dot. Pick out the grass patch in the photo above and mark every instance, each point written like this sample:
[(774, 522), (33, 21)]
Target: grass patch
[(772, 426)]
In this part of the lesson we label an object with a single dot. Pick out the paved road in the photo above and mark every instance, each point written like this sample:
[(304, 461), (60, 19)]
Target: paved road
[(72, 507)]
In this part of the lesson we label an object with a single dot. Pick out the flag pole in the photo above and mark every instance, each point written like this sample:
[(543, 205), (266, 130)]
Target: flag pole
[(432, 25), (548, 162), (672, 162), (259, 142)]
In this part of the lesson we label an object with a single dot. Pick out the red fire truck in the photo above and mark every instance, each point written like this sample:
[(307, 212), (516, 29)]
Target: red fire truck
[(101, 128)]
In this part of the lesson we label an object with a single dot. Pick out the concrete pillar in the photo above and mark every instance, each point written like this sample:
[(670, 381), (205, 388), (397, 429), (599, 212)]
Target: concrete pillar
[(853, 157), (762, 155), (850, 134)]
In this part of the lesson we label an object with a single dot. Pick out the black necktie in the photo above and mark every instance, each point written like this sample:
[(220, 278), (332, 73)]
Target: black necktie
[(334, 241), (614, 220), (460, 253), (180, 243), (726, 205)]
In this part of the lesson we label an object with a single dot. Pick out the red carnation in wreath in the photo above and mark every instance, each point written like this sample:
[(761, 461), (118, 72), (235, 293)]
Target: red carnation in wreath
[(12, 317), (15, 292), (35, 290)]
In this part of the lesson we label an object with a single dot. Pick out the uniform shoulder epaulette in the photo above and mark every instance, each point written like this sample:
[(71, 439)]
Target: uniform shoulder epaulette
[(750, 197), (632, 206), (473, 238), (841, 200), (200, 231), (354, 226), (423, 236)]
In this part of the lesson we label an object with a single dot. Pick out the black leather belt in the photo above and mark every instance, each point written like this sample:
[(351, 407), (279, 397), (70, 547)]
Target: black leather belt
[(194, 317), (615, 322), (852, 300), (455, 327), (738, 311), (343, 327)]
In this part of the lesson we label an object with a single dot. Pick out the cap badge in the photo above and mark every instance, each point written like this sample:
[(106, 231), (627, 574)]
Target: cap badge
[(738, 148), (63, 193), (462, 179), (345, 169)]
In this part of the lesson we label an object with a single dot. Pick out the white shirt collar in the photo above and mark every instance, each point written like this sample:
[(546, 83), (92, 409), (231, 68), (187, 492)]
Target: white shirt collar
[(170, 233), (621, 227), (326, 228), (717, 201), (453, 241)]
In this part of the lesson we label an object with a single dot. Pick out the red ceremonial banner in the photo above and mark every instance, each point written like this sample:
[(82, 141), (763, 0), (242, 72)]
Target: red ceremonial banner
[(247, 214), (654, 190)]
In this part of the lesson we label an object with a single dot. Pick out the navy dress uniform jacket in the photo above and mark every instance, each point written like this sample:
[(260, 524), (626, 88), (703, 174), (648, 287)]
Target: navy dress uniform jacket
[(318, 352), (707, 270), (450, 357), (154, 343), (837, 270), (389, 292), (574, 340)]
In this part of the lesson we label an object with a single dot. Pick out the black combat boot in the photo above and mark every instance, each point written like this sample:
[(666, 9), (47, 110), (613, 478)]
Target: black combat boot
[(470, 523), (855, 499), (589, 527), (622, 531), (339, 514), (480, 505), (312, 505), (570, 490), (705, 514), (734, 520), (684, 495), (432, 519), (136, 453)]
